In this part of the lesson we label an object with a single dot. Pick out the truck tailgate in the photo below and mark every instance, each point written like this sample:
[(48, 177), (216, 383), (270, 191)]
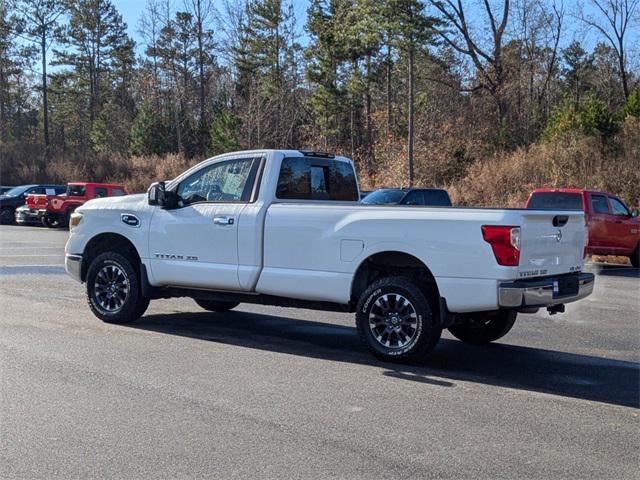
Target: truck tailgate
[(36, 201), (552, 243)]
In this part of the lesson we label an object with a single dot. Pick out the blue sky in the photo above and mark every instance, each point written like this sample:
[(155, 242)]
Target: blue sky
[(131, 11)]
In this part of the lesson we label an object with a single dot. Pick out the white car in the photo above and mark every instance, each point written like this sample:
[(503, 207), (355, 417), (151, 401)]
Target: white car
[(284, 227)]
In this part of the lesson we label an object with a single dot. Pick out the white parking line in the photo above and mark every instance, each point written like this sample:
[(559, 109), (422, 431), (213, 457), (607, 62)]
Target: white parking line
[(12, 256), (35, 246), (31, 266)]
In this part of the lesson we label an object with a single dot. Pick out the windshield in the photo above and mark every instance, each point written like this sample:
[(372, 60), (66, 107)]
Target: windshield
[(381, 197), (555, 201), (15, 191)]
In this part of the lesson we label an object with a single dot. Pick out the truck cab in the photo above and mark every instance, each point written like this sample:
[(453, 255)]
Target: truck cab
[(613, 228)]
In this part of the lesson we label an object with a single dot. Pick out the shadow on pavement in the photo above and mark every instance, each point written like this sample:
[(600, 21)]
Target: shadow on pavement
[(558, 373), (615, 271)]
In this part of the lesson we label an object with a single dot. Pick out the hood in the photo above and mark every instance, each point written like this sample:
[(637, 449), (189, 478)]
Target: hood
[(126, 202), (11, 200)]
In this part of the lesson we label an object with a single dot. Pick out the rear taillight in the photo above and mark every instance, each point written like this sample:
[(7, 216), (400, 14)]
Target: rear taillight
[(586, 239), (505, 242)]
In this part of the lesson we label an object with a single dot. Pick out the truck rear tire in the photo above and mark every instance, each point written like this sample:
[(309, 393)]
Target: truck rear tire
[(483, 328), (113, 289), (216, 306), (395, 320), (50, 223)]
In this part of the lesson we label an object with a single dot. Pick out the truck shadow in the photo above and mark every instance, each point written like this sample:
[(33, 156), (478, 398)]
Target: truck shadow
[(558, 373)]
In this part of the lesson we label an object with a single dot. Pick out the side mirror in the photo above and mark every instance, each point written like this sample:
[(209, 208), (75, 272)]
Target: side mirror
[(159, 195), (634, 212), (156, 194)]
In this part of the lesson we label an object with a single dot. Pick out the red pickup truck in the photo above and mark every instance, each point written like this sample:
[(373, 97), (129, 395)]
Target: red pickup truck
[(613, 228), (55, 210)]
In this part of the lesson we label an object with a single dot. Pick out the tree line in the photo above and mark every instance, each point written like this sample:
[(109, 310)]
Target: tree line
[(422, 88)]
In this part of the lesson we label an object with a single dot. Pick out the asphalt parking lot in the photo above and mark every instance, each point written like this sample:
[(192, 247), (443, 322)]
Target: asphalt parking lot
[(282, 393)]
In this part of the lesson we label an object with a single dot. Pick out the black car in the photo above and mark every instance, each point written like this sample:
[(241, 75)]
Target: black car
[(429, 197), (16, 197)]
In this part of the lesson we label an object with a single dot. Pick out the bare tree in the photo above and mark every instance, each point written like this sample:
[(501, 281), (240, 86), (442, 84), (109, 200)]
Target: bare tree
[(613, 20), (486, 54), (538, 30), (150, 26), (203, 14)]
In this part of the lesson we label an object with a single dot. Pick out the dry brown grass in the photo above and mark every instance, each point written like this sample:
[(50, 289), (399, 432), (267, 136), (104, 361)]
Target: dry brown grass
[(615, 259), (443, 159), (136, 173), (506, 179)]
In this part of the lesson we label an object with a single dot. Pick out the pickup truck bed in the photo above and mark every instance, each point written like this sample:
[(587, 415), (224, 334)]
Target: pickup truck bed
[(284, 227)]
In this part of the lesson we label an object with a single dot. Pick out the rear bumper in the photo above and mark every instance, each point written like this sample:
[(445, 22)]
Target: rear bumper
[(26, 215), (544, 292), (73, 266)]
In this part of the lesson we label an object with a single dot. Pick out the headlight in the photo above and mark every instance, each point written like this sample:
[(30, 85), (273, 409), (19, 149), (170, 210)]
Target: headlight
[(74, 220)]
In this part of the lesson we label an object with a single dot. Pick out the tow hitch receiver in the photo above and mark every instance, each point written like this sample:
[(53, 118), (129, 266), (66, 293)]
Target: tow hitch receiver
[(553, 309)]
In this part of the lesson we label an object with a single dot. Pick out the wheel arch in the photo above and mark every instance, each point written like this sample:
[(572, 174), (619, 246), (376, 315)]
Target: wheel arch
[(109, 242), (394, 263)]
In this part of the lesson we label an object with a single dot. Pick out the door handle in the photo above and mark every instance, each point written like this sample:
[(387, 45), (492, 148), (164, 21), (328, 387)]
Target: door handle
[(223, 220), (618, 221)]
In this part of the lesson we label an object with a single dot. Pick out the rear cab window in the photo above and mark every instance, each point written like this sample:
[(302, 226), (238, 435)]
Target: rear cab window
[(310, 178), (555, 201), (99, 192), (117, 192)]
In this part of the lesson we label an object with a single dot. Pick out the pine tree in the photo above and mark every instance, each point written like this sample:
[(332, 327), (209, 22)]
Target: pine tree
[(266, 61), (147, 135), (202, 12), (324, 58), (14, 60), (578, 70), (38, 22), (95, 43), (177, 50), (223, 131), (412, 30)]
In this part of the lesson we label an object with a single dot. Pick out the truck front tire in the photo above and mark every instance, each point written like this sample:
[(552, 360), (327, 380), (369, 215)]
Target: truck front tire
[(216, 306), (7, 216), (395, 320), (113, 289), (482, 328)]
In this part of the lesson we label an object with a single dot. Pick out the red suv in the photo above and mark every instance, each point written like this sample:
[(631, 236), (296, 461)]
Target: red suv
[(613, 228)]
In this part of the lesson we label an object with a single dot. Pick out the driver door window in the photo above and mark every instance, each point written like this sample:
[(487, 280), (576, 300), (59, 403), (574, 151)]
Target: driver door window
[(618, 207), (230, 181)]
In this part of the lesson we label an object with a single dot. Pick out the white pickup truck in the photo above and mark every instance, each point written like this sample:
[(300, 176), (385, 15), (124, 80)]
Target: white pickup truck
[(284, 227)]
